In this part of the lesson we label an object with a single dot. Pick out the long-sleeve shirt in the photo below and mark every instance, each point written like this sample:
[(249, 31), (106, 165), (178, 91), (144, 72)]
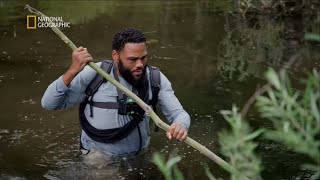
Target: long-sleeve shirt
[(60, 96)]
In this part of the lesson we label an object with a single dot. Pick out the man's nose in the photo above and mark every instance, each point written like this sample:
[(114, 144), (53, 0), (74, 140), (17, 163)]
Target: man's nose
[(139, 63)]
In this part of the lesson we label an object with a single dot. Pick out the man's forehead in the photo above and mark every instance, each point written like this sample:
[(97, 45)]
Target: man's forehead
[(134, 47)]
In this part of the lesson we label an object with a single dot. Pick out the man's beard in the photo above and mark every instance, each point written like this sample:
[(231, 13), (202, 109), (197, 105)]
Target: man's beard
[(127, 75)]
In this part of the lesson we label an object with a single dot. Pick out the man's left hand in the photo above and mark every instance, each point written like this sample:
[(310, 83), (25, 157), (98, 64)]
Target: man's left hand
[(177, 131)]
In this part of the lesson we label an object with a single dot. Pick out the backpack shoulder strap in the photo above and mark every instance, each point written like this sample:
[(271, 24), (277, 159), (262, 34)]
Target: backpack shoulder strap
[(96, 82), (155, 84), (155, 88)]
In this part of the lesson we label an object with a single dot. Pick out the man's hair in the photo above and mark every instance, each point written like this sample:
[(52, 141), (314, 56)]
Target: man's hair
[(128, 35)]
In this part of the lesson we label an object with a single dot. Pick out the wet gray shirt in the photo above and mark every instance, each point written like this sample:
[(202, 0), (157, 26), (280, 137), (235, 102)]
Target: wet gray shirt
[(60, 96)]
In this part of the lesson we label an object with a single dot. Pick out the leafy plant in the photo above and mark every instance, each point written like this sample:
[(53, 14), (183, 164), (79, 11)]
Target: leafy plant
[(168, 168), (295, 115), (238, 146)]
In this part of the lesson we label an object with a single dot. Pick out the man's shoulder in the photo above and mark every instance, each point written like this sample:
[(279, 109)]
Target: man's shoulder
[(88, 73), (153, 68), (154, 72), (163, 80)]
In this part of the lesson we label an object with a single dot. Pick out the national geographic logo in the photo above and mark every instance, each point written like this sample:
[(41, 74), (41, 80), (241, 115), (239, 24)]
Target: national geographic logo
[(31, 22), (34, 22)]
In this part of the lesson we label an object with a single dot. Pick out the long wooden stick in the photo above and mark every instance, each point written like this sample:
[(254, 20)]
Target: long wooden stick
[(141, 103)]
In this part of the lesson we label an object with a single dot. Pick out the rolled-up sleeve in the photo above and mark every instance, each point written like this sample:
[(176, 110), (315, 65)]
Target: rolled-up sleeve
[(170, 105)]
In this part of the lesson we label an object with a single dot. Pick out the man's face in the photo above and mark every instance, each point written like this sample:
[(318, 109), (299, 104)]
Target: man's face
[(131, 61)]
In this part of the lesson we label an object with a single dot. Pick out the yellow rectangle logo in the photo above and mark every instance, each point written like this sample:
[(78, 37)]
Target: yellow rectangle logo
[(31, 21)]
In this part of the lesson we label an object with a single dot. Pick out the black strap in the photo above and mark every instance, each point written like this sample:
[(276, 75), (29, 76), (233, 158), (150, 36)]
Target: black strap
[(106, 135), (96, 82), (155, 84), (121, 95), (155, 88), (106, 105)]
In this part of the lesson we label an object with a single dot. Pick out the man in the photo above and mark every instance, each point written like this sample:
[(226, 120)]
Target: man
[(106, 122)]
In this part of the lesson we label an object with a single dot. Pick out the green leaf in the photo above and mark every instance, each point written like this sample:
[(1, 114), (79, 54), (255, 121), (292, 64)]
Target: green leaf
[(208, 173), (273, 78), (172, 161), (272, 97), (177, 174), (314, 109), (312, 37), (263, 101), (254, 135), (159, 160)]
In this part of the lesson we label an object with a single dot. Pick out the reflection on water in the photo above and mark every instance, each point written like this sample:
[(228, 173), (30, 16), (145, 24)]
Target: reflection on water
[(36, 144)]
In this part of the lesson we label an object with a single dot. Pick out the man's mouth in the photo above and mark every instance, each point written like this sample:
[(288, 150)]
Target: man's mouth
[(137, 72)]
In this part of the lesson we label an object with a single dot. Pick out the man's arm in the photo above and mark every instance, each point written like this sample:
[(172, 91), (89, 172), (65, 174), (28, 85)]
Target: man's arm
[(173, 111), (80, 58), (69, 89)]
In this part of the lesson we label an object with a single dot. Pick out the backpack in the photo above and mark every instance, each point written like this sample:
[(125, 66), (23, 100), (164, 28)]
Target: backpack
[(115, 134)]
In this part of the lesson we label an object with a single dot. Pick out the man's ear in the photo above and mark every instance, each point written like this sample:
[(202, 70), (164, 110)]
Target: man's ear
[(115, 56)]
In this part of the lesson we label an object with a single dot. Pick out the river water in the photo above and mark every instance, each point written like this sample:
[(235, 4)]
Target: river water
[(186, 45)]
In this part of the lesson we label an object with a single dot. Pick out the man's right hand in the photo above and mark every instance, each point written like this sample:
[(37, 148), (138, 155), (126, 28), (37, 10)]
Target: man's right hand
[(80, 58)]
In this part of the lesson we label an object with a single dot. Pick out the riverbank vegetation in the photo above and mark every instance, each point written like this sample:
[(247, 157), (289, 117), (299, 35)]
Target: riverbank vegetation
[(280, 35)]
